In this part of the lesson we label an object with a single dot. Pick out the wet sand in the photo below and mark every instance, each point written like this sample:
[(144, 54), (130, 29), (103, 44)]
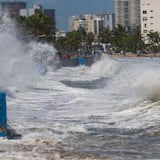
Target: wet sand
[(151, 55)]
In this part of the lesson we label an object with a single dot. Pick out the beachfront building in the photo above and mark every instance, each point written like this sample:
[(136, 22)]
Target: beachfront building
[(76, 22), (150, 17), (92, 23), (108, 20), (127, 14), (37, 8), (14, 8)]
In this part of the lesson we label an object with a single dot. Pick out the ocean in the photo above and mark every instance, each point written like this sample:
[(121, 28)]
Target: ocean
[(109, 110)]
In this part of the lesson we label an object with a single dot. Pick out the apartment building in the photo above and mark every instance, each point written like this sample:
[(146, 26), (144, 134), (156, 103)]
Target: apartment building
[(13, 8), (92, 23), (36, 9), (76, 22), (150, 17), (127, 14), (108, 20)]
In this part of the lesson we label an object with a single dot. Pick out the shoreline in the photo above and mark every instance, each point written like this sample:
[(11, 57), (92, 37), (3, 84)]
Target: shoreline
[(130, 55)]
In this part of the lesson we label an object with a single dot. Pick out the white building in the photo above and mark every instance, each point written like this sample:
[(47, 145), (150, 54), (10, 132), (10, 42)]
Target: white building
[(108, 20), (76, 22), (23, 12), (150, 17), (91, 23), (36, 8)]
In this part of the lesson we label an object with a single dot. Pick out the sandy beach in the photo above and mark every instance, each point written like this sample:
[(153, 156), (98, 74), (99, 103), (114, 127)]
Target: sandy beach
[(151, 55)]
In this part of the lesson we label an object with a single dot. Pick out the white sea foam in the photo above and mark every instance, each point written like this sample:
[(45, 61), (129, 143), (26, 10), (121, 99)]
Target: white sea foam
[(52, 110), (16, 67), (105, 67), (18, 61), (148, 84)]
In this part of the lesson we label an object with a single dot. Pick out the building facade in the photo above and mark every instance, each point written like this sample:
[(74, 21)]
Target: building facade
[(92, 23), (51, 13), (37, 8), (150, 17), (13, 8), (127, 14), (108, 20), (79, 21)]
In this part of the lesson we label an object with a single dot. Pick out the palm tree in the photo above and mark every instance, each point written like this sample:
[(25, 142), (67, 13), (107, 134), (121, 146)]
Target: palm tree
[(22, 23), (73, 41), (89, 39), (105, 36), (135, 42), (39, 24), (119, 37), (154, 40), (61, 44)]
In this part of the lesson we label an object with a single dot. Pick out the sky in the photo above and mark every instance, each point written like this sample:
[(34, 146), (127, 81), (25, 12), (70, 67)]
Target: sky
[(64, 9)]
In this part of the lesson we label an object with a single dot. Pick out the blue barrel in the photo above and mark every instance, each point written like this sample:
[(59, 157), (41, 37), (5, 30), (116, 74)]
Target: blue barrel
[(3, 115), (81, 60)]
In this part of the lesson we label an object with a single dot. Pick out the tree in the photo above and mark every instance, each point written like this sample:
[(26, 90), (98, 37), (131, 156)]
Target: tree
[(22, 23), (37, 24), (119, 37), (105, 36), (89, 39), (154, 41), (82, 33), (135, 42), (73, 41), (61, 44)]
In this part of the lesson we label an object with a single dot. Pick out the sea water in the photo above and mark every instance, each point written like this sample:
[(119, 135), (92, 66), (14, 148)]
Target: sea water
[(107, 111)]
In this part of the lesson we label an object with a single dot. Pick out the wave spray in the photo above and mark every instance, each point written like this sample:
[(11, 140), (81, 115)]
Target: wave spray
[(18, 60)]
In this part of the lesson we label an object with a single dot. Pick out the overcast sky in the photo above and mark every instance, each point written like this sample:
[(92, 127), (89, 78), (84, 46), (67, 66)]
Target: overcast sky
[(64, 9)]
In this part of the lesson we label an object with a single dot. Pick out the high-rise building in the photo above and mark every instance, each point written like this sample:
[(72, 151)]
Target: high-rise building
[(150, 17), (76, 22), (13, 8), (37, 8), (127, 14), (51, 13), (91, 23), (108, 20)]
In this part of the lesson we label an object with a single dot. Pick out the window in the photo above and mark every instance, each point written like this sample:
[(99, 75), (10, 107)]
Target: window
[(145, 31), (145, 18), (144, 12)]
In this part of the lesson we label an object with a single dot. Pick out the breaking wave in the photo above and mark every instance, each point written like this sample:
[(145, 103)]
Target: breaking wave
[(149, 85), (19, 59), (105, 67)]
